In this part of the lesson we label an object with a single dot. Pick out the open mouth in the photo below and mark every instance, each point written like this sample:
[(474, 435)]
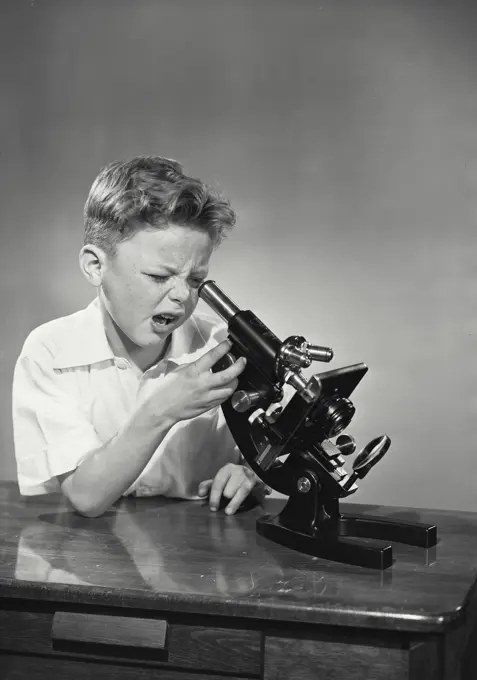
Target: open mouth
[(164, 319)]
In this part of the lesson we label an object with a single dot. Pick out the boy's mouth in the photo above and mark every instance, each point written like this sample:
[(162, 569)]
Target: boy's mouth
[(164, 319)]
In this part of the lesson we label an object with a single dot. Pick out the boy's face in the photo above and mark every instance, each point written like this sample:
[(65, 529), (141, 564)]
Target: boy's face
[(149, 286)]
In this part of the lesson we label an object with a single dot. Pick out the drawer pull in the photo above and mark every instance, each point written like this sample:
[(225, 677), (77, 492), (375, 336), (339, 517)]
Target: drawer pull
[(73, 630)]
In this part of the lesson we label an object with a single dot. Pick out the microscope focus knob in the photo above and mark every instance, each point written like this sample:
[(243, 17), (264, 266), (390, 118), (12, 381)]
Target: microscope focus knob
[(244, 400)]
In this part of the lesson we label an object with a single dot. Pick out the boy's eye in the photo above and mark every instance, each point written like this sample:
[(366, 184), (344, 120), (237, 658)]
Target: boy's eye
[(160, 278)]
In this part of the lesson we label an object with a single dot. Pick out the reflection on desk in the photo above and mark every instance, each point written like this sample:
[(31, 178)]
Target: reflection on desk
[(169, 547), (227, 600)]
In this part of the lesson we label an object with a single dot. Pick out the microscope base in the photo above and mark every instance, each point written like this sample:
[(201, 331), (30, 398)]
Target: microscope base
[(339, 543), (412, 533), (327, 545)]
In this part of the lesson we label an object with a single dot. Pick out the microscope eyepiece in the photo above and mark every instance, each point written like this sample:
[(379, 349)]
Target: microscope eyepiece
[(215, 298)]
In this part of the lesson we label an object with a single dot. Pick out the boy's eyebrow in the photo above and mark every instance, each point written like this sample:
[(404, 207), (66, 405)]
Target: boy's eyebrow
[(172, 270)]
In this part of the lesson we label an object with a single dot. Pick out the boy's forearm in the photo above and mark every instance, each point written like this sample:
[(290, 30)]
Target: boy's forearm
[(103, 477)]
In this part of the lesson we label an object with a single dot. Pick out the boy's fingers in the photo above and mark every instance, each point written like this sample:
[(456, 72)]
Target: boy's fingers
[(233, 484), (217, 487), (207, 360), (210, 358), (240, 495), (204, 487), (230, 373)]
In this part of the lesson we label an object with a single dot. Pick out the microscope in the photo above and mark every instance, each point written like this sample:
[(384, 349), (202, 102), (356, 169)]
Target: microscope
[(299, 450)]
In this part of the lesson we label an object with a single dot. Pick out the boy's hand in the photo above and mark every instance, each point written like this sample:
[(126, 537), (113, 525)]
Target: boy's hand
[(193, 389), (234, 482)]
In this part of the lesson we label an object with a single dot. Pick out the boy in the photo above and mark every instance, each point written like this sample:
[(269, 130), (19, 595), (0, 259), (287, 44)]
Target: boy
[(119, 398)]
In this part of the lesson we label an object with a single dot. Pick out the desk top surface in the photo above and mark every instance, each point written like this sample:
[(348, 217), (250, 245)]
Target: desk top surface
[(173, 555)]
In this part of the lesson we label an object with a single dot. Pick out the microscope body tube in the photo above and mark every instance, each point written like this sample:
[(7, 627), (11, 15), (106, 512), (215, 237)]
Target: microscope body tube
[(215, 298), (254, 339)]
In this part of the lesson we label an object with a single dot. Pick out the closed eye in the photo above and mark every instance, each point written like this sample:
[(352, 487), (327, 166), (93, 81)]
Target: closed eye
[(158, 278)]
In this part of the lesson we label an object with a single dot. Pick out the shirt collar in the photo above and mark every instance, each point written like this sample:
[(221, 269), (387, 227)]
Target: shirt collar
[(88, 344)]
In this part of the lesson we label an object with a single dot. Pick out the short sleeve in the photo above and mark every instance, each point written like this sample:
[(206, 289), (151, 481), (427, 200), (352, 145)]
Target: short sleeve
[(52, 434)]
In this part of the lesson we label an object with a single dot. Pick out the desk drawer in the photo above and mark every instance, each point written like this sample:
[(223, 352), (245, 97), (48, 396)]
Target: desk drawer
[(16, 667), (132, 639)]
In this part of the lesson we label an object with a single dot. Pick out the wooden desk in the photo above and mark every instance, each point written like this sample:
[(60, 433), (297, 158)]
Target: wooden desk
[(168, 590)]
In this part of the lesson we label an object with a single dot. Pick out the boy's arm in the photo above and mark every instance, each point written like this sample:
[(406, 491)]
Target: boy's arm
[(94, 477), (106, 473), (53, 438)]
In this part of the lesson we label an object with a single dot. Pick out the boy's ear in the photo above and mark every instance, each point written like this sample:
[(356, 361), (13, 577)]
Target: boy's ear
[(93, 263)]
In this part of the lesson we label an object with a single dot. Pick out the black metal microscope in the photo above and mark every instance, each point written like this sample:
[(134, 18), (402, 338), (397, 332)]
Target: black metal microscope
[(291, 448)]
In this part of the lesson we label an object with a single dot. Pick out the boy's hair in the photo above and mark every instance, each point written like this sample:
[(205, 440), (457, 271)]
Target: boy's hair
[(151, 192)]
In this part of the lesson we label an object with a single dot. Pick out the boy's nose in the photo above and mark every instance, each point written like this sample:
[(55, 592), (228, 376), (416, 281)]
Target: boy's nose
[(179, 292)]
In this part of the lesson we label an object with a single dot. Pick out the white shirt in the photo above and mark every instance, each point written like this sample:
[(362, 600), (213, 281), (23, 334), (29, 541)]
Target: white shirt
[(71, 394)]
